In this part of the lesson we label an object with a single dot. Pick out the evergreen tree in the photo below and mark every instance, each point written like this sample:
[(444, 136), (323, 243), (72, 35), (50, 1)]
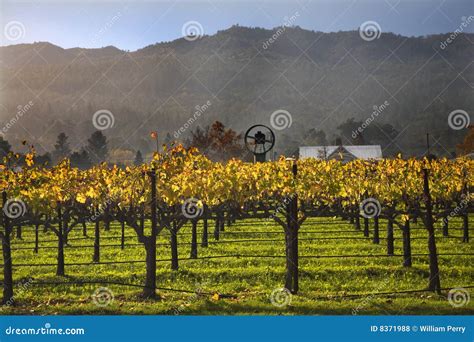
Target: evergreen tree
[(138, 158), (168, 139), (61, 148), (43, 160), (5, 147), (467, 146), (314, 137), (97, 147), (80, 160)]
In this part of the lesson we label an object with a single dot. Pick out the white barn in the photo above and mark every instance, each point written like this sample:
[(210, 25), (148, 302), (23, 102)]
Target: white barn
[(343, 153)]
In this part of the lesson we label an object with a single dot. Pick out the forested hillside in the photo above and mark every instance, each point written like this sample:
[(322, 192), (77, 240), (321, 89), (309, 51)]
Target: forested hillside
[(323, 79)]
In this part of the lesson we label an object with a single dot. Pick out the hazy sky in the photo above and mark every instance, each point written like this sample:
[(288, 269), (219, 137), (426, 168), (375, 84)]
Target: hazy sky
[(132, 25)]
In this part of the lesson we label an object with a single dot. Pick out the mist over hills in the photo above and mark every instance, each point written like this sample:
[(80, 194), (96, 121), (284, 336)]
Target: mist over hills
[(321, 79)]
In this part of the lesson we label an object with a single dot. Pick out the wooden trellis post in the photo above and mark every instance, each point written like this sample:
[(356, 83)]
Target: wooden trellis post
[(204, 242), (465, 225), (291, 238), (406, 244), (60, 234), (376, 237), (122, 236), (446, 226), (174, 246), (366, 227), (390, 246), (217, 227), (7, 255), (96, 257), (194, 247), (36, 238), (434, 282), (84, 228)]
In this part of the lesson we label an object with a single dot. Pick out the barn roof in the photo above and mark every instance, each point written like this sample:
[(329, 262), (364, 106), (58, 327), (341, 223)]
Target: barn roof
[(358, 151)]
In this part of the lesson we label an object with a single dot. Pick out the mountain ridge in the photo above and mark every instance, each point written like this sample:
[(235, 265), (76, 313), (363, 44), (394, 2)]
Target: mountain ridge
[(323, 79), (242, 31)]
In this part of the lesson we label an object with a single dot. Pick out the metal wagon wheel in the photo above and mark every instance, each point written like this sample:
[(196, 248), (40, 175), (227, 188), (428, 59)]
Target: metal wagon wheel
[(259, 139)]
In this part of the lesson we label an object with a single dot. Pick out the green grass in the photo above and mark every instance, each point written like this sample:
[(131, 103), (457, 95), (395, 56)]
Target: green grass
[(325, 283)]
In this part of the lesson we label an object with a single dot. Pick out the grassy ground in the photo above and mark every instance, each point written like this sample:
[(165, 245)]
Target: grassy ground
[(325, 283)]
